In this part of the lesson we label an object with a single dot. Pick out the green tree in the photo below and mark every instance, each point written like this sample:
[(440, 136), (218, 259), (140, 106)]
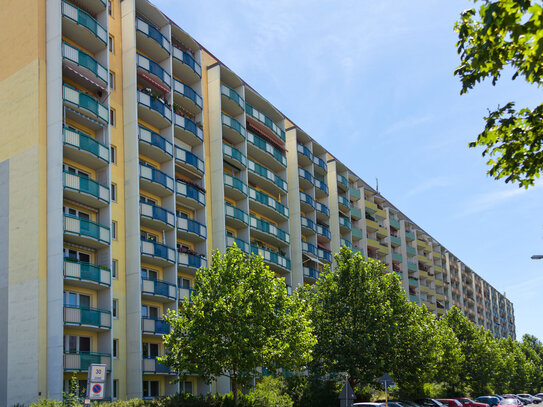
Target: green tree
[(533, 350), (271, 392), (241, 319), (499, 35)]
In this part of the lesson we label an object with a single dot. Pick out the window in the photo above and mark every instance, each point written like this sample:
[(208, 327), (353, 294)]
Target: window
[(76, 171), (112, 117), (114, 192), (149, 274), (111, 80), (148, 236), (114, 230), (77, 299), (113, 150), (150, 350), (74, 343), (114, 264), (151, 388), (115, 389), (115, 348), (148, 311), (109, 8), (186, 387), (111, 45), (76, 255), (183, 282), (146, 200), (115, 308)]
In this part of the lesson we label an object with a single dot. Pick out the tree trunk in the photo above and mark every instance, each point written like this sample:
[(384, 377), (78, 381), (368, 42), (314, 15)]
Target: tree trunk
[(235, 391)]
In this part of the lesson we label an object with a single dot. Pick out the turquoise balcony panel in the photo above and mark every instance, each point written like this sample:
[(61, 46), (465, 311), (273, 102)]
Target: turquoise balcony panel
[(397, 257), (324, 231), (161, 115), (81, 24), (86, 272), (236, 213), (311, 272), (157, 181), (324, 254), (233, 95), (187, 60), (320, 207), (158, 288), (87, 232), (191, 226), (320, 184), (354, 193), (158, 253), (308, 223), (262, 118), (395, 240), (153, 68), (154, 145), (309, 248), (85, 149), (80, 361), (234, 154), (190, 261), (357, 233), (157, 214), (240, 243), (267, 147), (237, 133), (319, 162), (188, 130), (264, 172), (154, 33), (189, 158), (342, 181), (273, 258), (84, 60), (269, 228), (87, 316), (85, 190), (344, 242), (394, 223), (85, 103), (235, 183), (268, 201), (187, 97)]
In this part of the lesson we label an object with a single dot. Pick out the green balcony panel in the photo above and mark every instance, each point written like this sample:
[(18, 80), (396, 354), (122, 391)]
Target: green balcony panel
[(411, 250), (84, 60), (342, 180), (394, 223), (308, 223), (80, 361), (236, 213), (85, 102), (229, 121), (356, 213), (86, 228), (268, 174), (354, 193), (343, 201), (269, 228), (87, 316), (395, 240), (82, 271), (271, 257), (240, 243), (267, 147), (232, 94), (236, 183), (234, 154), (262, 118), (267, 200), (86, 185), (357, 233), (397, 257), (84, 19), (83, 142)]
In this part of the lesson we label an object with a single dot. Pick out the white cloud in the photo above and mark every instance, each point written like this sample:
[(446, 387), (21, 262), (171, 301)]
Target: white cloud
[(427, 185)]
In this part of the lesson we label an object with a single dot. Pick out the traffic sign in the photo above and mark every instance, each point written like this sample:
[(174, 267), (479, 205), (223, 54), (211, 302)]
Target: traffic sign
[(347, 395), (386, 380), (96, 391), (97, 373)]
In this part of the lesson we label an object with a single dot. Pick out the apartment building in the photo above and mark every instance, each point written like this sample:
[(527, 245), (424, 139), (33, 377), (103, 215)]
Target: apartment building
[(129, 153)]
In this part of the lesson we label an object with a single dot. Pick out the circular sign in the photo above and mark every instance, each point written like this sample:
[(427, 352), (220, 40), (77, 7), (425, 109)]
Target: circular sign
[(97, 388)]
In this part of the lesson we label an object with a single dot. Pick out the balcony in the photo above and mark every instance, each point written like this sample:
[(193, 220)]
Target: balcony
[(305, 156), (308, 226), (234, 187), (371, 206), (395, 241), (323, 213), (372, 225), (266, 231), (414, 298), (152, 326), (151, 366), (306, 179), (397, 257), (81, 27), (344, 224), (309, 248), (185, 294), (155, 71), (311, 273), (79, 362), (158, 290), (90, 318), (320, 163), (323, 231), (83, 66), (153, 145), (186, 66), (357, 233), (324, 254), (155, 181), (240, 243), (187, 97), (85, 232), (154, 111), (267, 205), (307, 204), (151, 40), (344, 204), (233, 130), (235, 217), (190, 195), (276, 261), (191, 230), (231, 100), (354, 194), (84, 274), (157, 253), (190, 262), (394, 223), (409, 235), (413, 282), (85, 190), (85, 149), (156, 217), (268, 122), (345, 242), (189, 161), (376, 245), (342, 183), (262, 150), (321, 187), (233, 156), (187, 131), (356, 213), (267, 179), (89, 108), (411, 250)]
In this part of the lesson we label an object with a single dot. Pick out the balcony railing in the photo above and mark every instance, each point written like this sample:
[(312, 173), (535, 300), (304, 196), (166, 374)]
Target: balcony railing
[(343, 201), (394, 223), (320, 184), (267, 147), (232, 94), (86, 228), (150, 365), (188, 92), (154, 68), (357, 233), (185, 293), (397, 257), (85, 102), (86, 185), (268, 174), (157, 250), (309, 247), (344, 222), (320, 207), (189, 158), (81, 141), (188, 125), (271, 257), (240, 243), (158, 288), (152, 32), (155, 139), (305, 151), (345, 242), (229, 121), (308, 223), (82, 271), (324, 231), (191, 260), (234, 154), (158, 213), (153, 326), (267, 200), (319, 162), (311, 272), (188, 60), (87, 316), (236, 213), (395, 240), (80, 361), (354, 193), (191, 226), (85, 60), (235, 183), (306, 198), (84, 19), (411, 250), (190, 191), (155, 175), (154, 104), (262, 118), (342, 180), (269, 228), (303, 173), (324, 254)]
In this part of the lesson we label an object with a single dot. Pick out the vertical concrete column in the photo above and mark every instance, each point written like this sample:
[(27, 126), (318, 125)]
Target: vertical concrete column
[(333, 205)]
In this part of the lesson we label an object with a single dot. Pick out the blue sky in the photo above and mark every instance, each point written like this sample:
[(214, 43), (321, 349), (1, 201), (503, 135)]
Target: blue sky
[(372, 82)]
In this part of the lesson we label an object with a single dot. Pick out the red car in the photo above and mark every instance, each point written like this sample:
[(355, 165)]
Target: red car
[(470, 403), (511, 403), (450, 402)]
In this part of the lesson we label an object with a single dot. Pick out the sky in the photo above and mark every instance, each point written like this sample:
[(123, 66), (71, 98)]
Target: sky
[(372, 82)]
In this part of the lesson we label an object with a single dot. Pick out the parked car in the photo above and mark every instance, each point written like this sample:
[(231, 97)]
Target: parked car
[(512, 402), (492, 401), (450, 402), (534, 400), (407, 403), (540, 395), (514, 396), (368, 404), (466, 402), (429, 403)]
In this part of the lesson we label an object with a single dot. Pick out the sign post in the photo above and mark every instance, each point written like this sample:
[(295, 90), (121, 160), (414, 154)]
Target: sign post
[(386, 381), (347, 396), (96, 381)]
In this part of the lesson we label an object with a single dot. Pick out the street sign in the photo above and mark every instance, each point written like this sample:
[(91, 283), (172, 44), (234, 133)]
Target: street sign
[(347, 395), (386, 380), (97, 373), (96, 391), (97, 381), (87, 402)]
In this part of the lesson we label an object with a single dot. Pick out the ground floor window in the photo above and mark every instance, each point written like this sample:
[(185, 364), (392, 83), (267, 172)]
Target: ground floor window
[(186, 387), (151, 388), (81, 387)]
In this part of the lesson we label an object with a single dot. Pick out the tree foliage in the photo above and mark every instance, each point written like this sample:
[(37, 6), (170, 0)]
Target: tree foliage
[(500, 35), (240, 320)]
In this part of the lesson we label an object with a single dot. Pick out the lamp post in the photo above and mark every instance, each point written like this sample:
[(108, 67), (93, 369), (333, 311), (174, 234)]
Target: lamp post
[(537, 257)]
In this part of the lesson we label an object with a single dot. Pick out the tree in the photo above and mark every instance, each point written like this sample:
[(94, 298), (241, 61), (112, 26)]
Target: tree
[(241, 319), (361, 314), (505, 34)]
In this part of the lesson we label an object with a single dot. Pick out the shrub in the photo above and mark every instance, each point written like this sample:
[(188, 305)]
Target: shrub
[(270, 392)]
